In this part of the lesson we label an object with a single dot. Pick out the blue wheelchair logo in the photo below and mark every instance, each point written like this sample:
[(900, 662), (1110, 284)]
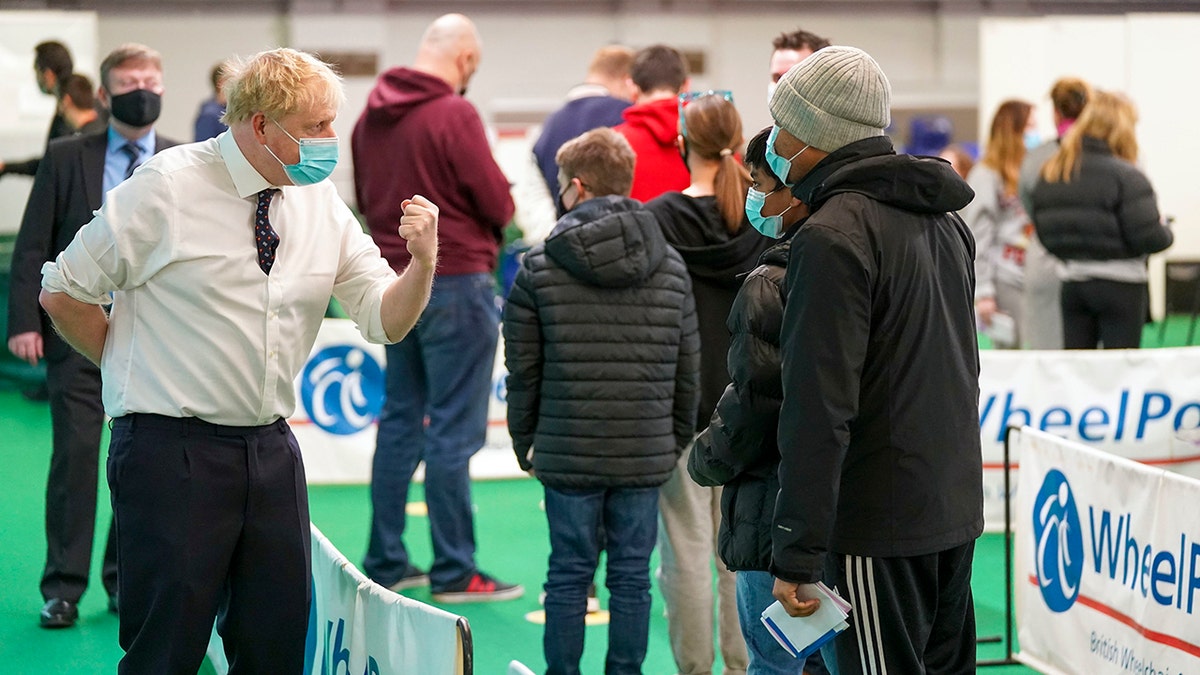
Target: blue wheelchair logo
[(1059, 539), (342, 389)]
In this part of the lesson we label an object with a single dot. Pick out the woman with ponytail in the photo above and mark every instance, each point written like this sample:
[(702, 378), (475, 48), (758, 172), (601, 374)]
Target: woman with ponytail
[(707, 224)]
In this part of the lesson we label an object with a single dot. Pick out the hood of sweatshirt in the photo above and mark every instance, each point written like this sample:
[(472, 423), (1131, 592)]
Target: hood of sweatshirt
[(610, 242), (659, 118), (871, 167), (694, 227), (400, 90)]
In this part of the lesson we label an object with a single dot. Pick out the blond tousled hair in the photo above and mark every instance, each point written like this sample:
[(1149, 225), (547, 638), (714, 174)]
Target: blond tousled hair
[(278, 83), (1109, 117), (1006, 142)]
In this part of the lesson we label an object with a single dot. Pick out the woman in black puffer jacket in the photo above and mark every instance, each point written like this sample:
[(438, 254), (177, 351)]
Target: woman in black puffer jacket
[(738, 449), (1096, 212)]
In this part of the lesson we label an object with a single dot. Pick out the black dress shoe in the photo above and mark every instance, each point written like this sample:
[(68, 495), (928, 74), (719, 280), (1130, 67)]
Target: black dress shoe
[(59, 613)]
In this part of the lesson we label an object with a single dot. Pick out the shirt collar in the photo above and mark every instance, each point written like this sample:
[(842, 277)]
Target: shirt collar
[(145, 143), (246, 179)]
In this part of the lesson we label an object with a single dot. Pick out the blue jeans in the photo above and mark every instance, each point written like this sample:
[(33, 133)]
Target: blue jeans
[(440, 372), (629, 519), (767, 657)]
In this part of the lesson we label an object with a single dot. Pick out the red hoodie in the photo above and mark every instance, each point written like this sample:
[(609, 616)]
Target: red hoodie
[(417, 137), (651, 128)]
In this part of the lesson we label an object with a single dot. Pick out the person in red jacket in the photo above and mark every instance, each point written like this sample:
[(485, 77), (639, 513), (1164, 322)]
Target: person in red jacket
[(418, 135), (652, 122)]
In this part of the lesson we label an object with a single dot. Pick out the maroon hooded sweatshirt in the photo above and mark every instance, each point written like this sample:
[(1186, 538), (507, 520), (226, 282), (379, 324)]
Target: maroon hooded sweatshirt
[(651, 128), (417, 137)]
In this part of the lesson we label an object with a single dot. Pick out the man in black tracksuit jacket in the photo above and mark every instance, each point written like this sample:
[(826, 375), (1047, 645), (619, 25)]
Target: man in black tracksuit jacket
[(881, 471)]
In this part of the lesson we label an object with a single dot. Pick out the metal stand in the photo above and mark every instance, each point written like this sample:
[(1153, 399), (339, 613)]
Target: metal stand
[(468, 646), (1009, 620)]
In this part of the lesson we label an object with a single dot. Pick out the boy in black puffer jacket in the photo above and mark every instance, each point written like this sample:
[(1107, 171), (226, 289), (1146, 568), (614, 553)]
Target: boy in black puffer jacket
[(602, 351)]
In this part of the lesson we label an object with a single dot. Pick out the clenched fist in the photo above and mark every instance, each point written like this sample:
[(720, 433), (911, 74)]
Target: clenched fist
[(418, 226)]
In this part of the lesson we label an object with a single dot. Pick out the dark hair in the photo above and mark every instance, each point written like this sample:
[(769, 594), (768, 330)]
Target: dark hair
[(219, 72), (756, 154), (1070, 95), (714, 131), (658, 67), (798, 40), (55, 57), (80, 89), (602, 159)]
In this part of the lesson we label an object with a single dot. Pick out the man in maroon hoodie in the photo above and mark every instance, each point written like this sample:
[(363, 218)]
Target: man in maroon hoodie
[(418, 135), (652, 122)]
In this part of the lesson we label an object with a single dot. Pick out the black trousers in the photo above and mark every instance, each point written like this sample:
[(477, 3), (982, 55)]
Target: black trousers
[(77, 418), (913, 615), (212, 522), (1102, 311)]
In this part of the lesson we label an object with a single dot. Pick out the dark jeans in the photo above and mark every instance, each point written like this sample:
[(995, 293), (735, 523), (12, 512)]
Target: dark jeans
[(1102, 311), (629, 520), (77, 416), (212, 522), (911, 615), (767, 657), (440, 372)]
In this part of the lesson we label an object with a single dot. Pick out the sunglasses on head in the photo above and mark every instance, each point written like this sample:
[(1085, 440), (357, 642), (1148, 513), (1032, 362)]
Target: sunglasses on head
[(688, 96)]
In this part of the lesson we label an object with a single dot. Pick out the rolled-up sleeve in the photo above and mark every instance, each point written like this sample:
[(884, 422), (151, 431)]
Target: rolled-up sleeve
[(363, 277), (124, 244)]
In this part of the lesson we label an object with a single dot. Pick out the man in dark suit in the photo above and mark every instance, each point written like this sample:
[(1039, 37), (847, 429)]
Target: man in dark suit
[(70, 184)]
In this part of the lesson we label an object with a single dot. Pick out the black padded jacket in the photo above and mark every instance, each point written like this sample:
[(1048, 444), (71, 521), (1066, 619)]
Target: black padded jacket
[(602, 350), (1107, 211), (738, 448)]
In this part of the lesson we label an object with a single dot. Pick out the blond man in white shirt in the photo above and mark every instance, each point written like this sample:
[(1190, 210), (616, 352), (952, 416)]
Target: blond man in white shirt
[(219, 266)]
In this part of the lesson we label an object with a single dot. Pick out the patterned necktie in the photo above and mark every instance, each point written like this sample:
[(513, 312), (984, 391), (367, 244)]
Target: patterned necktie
[(134, 153), (265, 238)]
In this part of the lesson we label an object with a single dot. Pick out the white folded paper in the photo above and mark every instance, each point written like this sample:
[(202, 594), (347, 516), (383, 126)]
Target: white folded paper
[(803, 635)]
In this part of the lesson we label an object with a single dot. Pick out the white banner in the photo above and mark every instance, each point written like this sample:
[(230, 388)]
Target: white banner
[(357, 626), (1107, 562), (1143, 404), (339, 395)]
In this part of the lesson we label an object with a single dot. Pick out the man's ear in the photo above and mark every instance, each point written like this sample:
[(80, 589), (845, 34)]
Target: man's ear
[(102, 97), (258, 124)]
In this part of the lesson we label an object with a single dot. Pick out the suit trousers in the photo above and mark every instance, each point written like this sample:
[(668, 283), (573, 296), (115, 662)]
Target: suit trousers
[(212, 522), (77, 418)]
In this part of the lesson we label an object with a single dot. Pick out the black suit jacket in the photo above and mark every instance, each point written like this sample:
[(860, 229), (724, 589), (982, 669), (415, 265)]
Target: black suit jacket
[(66, 191)]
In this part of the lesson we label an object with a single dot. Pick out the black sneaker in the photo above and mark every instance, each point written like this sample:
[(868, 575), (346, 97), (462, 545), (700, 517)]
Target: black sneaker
[(478, 587), (414, 577)]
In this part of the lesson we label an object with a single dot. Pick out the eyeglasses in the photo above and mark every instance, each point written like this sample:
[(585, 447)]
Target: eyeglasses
[(689, 96)]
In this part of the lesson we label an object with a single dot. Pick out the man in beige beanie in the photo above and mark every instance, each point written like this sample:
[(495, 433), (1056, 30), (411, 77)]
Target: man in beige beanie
[(881, 476)]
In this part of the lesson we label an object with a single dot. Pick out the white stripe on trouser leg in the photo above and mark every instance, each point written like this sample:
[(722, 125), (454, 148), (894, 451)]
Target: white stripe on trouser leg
[(874, 599), (860, 582)]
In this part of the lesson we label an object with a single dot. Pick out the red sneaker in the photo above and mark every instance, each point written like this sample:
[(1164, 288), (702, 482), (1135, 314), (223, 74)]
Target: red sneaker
[(478, 587)]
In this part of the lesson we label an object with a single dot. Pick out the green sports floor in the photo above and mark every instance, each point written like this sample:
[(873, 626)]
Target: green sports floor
[(511, 531)]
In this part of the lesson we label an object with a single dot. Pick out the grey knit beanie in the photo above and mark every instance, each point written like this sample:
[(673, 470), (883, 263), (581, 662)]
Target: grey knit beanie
[(833, 98)]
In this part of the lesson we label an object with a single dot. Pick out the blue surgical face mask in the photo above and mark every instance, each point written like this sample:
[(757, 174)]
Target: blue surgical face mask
[(769, 226), (318, 157), (1032, 139), (780, 165)]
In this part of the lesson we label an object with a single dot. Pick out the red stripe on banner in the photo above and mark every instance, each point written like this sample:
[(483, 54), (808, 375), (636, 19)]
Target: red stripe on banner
[(1153, 461), (1151, 635)]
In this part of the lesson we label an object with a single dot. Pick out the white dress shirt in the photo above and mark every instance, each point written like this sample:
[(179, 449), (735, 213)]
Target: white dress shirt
[(197, 329)]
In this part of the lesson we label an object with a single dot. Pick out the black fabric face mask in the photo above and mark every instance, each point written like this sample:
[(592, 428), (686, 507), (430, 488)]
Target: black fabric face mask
[(137, 108)]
